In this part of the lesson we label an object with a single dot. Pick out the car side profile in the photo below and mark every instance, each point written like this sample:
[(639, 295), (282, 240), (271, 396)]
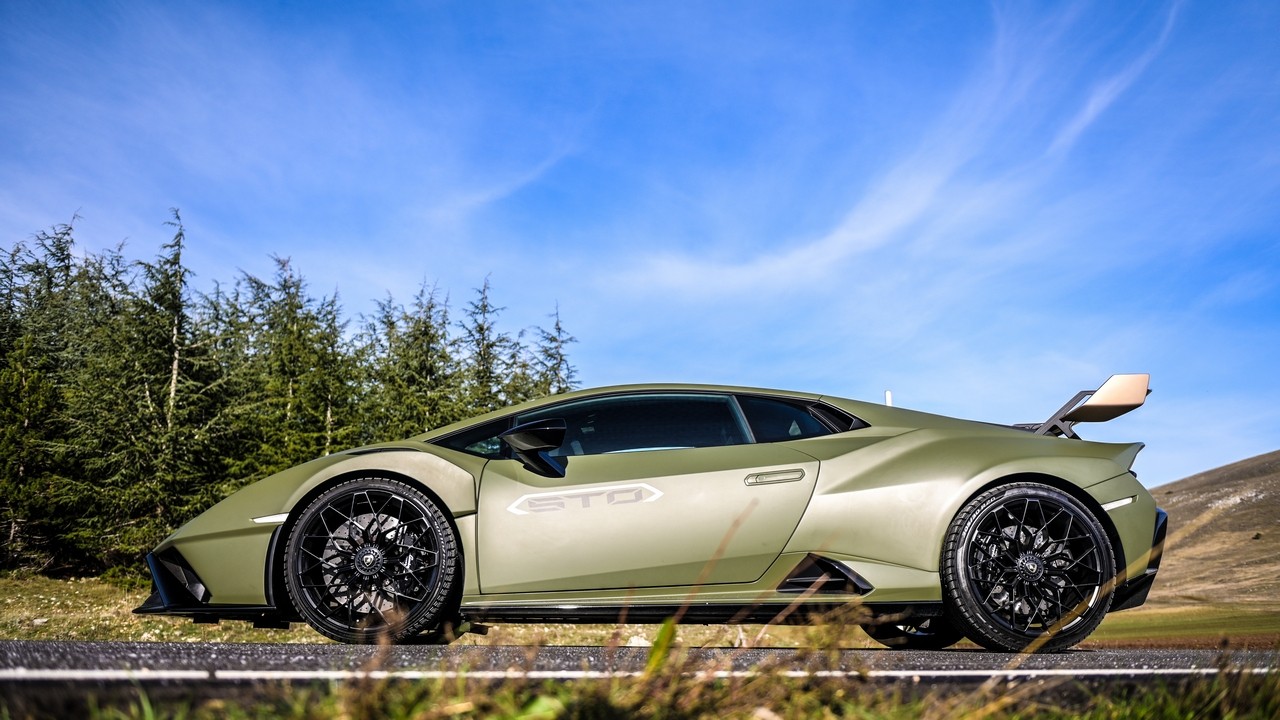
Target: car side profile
[(712, 504)]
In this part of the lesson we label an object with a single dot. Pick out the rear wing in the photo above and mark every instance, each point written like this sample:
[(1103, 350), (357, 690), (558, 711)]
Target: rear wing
[(1117, 396)]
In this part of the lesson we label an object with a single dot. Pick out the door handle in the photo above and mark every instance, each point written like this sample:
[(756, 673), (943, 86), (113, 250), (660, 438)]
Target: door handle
[(775, 476)]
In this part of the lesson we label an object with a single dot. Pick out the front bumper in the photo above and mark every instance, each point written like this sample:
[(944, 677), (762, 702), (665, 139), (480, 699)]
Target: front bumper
[(176, 589), (1134, 592)]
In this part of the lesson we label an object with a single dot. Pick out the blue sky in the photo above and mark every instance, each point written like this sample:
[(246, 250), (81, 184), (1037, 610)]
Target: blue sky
[(981, 206)]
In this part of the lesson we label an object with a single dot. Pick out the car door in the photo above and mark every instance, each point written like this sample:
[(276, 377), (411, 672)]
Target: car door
[(660, 489)]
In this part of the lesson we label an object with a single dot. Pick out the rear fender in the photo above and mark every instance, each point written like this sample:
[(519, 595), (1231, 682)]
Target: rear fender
[(892, 502)]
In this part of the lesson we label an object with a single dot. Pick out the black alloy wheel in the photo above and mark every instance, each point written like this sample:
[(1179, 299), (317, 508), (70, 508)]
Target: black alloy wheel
[(372, 560), (1026, 567), (929, 633)]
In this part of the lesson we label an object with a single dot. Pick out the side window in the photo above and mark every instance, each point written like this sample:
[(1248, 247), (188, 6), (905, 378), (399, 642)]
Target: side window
[(645, 422), (775, 420), (482, 440)]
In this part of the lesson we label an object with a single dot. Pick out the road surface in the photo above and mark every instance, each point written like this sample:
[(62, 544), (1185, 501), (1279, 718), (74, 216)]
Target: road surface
[(33, 672)]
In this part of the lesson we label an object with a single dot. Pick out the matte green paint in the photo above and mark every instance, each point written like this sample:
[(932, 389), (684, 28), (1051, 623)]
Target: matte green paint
[(696, 506), (893, 497), (878, 499), (223, 541), (899, 585)]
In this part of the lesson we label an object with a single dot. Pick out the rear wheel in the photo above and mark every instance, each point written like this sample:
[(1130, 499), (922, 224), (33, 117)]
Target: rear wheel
[(931, 633), (1027, 567), (372, 559)]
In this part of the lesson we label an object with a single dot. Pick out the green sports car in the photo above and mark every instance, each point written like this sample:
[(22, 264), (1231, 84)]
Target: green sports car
[(703, 503)]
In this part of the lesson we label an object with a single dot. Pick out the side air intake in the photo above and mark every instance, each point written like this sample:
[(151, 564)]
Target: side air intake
[(823, 576)]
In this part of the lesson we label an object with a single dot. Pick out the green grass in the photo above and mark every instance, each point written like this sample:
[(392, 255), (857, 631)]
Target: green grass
[(1254, 625), (38, 608), (33, 607)]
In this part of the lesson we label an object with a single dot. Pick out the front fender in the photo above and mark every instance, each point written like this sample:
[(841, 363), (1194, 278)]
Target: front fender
[(227, 545)]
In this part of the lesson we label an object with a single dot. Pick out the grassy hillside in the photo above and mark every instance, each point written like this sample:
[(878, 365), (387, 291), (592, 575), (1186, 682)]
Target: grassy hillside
[(1220, 579), (1224, 536)]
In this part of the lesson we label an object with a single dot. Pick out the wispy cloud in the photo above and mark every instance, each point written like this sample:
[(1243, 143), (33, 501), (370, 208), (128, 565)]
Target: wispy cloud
[(1104, 93)]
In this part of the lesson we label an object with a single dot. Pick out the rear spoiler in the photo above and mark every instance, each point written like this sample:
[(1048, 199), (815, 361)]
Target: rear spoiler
[(1117, 396)]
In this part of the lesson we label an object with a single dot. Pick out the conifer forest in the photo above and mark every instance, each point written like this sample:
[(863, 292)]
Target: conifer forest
[(130, 401)]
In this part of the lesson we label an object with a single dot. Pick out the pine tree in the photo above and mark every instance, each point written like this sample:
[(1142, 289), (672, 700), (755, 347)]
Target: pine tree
[(555, 374), (488, 355), (413, 373), (294, 378), (27, 403), (136, 407), (36, 291)]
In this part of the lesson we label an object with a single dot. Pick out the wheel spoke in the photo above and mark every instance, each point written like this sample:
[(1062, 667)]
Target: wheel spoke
[(1032, 562), (366, 557)]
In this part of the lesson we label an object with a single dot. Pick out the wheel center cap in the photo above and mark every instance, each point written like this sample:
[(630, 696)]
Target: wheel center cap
[(369, 561), (1031, 566)]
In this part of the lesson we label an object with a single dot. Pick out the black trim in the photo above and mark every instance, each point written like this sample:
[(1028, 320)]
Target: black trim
[(372, 450), (1157, 542), (690, 614), (269, 580), (1134, 592), (824, 576), (209, 613), (838, 420), (174, 581)]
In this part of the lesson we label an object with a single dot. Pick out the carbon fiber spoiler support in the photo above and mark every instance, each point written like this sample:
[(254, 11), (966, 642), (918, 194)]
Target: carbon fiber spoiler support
[(1117, 396)]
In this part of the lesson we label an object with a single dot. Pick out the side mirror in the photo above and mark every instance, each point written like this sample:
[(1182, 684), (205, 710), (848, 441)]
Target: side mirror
[(532, 440)]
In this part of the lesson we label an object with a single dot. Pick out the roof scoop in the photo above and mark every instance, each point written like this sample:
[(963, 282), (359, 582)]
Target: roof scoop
[(1117, 396)]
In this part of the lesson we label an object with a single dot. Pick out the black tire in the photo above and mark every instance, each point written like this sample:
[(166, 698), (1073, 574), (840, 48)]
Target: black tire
[(930, 633), (1026, 567), (372, 560)]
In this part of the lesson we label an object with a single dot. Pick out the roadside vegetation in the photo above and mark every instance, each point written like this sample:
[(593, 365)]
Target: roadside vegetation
[(672, 693), (130, 402), (33, 607), (673, 685)]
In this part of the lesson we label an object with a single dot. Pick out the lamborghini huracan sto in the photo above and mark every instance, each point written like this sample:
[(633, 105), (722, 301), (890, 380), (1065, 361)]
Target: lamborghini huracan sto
[(702, 503)]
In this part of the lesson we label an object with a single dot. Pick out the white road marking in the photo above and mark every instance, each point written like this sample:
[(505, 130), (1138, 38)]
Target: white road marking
[(52, 675), (44, 674)]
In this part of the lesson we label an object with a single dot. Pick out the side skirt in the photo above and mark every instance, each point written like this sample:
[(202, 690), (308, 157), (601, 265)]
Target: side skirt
[(690, 614)]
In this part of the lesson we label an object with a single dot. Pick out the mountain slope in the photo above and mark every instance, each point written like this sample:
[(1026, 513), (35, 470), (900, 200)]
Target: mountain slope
[(1224, 535)]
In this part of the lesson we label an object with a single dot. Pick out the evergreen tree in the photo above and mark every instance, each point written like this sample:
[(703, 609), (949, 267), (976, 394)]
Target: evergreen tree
[(414, 380), (488, 355), (36, 313), (136, 406), (555, 374), (295, 378), (28, 400)]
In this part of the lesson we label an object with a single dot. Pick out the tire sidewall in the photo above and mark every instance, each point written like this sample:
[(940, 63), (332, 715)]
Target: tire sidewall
[(966, 611), (426, 613)]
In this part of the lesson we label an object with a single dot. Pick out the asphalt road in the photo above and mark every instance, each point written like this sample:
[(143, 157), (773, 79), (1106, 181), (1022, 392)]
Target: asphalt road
[(34, 672), (20, 659)]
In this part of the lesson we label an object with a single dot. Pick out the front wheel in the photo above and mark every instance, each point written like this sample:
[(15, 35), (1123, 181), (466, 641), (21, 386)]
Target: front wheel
[(372, 559), (1026, 568)]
